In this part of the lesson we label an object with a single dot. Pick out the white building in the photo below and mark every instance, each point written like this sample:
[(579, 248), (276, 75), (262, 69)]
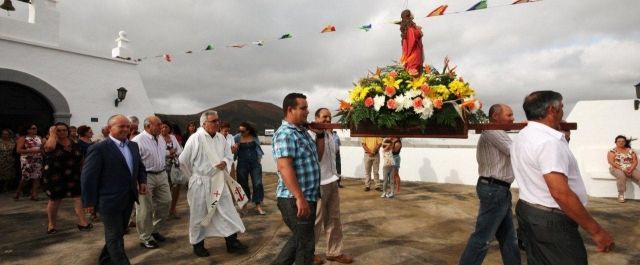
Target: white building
[(41, 82)]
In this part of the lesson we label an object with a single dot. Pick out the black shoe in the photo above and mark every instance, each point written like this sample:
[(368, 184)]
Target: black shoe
[(199, 250), (234, 245), (159, 237), (151, 244), (85, 227), (379, 188), (367, 189)]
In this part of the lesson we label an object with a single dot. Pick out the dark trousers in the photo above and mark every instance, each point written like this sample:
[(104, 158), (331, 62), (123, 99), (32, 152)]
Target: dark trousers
[(550, 237), (301, 245), (253, 168), (114, 226), (495, 219)]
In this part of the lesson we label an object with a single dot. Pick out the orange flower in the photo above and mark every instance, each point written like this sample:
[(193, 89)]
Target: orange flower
[(344, 105), (412, 72), (368, 102), (417, 103), (391, 104), (393, 74), (425, 89), (437, 103), (389, 91)]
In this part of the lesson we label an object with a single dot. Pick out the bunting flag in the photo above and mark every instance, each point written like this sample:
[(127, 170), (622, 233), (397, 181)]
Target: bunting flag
[(328, 28), (167, 57), (480, 5), (366, 28), (286, 36), (438, 11)]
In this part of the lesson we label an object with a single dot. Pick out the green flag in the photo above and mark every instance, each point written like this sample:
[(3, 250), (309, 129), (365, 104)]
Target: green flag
[(480, 5)]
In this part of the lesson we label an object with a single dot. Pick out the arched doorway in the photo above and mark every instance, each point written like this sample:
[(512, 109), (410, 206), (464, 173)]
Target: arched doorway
[(21, 106), (28, 99)]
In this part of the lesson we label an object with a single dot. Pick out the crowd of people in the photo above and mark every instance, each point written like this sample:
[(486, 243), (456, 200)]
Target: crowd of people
[(145, 170)]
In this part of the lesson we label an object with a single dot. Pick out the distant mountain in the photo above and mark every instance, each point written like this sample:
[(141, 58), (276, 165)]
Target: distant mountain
[(263, 115)]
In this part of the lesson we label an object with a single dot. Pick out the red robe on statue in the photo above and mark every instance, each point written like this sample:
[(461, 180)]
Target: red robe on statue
[(412, 54)]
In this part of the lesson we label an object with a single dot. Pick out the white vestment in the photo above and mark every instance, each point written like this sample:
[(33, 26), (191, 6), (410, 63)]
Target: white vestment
[(198, 161)]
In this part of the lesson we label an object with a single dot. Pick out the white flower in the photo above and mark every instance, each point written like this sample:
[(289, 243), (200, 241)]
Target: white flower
[(412, 93), (378, 102), (427, 110), (402, 102)]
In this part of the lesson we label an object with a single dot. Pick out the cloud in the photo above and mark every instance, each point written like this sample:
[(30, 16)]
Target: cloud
[(586, 51)]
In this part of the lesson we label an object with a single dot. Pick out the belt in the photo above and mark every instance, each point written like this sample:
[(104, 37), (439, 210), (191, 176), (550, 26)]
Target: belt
[(155, 172), (490, 180), (544, 208)]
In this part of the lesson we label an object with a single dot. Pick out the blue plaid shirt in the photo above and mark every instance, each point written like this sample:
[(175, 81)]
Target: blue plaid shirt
[(294, 142)]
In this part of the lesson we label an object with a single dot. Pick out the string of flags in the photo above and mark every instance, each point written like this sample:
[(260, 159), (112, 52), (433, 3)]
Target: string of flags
[(438, 11)]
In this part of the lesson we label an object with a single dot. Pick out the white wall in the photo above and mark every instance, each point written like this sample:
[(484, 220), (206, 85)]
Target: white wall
[(88, 82), (454, 161)]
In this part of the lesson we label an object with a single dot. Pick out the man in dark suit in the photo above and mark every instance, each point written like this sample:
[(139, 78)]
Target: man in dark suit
[(112, 177)]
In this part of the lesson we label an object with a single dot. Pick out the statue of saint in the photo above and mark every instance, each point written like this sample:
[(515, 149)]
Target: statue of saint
[(412, 53)]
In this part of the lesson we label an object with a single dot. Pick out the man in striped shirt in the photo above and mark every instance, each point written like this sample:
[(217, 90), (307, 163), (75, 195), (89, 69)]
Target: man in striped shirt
[(496, 176)]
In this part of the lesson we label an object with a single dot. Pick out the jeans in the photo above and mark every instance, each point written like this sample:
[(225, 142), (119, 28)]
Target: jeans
[(114, 227), (494, 219), (387, 179), (301, 245), (550, 237), (244, 168)]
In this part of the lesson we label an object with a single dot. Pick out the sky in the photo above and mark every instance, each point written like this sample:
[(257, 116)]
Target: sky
[(586, 50)]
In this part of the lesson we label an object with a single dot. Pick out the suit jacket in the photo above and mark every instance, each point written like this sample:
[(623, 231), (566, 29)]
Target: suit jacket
[(107, 182)]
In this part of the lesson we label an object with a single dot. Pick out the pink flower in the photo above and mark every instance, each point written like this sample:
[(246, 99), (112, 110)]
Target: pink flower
[(425, 89), (393, 74), (412, 72), (389, 91), (391, 104), (368, 102), (437, 103), (417, 103)]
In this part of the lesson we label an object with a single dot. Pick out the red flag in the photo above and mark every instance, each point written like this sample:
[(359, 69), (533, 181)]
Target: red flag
[(328, 28), (438, 11), (520, 2), (167, 57)]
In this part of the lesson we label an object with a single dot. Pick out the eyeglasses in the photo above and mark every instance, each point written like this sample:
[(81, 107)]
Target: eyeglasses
[(216, 121)]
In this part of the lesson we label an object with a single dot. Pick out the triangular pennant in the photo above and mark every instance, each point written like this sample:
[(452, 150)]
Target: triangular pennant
[(328, 28), (258, 42), (438, 11), (520, 2), (480, 5), (167, 57), (209, 47), (237, 46), (366, 28), (286, 36)]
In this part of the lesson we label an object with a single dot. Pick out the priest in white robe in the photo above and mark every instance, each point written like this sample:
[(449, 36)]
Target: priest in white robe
[(212, 193)]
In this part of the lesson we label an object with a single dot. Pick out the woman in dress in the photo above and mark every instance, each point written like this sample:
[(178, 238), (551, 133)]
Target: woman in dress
[(62, 168), (85, 134), (29, 147), (624, 164), (171, 160), (7, 170), (191, 129), (412, 53), (396, 146), (249, 155)]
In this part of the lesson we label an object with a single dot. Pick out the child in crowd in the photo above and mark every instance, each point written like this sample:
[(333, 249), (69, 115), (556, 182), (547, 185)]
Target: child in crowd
[(387, 169)]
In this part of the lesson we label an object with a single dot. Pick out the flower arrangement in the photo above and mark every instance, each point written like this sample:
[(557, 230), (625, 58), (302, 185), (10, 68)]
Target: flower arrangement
[(393, 97)]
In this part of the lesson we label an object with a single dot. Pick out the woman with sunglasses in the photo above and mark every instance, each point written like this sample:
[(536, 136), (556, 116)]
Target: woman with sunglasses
[(62, 168), (249, 155), (29, 147)]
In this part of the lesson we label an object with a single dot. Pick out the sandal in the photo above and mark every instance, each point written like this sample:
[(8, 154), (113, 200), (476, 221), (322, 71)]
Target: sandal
[(51, 231), (85, 227), (621, 198)]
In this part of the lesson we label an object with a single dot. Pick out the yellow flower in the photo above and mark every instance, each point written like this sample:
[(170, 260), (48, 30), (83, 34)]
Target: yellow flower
[(354, 95), (439, 92), (364, 92), (378, 89), (390, 81), (460, 89), (416, 83)]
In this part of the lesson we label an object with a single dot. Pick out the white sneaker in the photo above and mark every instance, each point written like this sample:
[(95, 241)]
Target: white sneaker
[(390, 195), (384, 195)]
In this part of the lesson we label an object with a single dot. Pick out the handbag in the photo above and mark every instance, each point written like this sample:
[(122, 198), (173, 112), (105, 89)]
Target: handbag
[(177, 177)]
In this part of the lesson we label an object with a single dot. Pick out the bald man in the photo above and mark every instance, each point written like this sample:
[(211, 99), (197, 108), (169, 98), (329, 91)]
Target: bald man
[(112, 177), (493, 188), (153, 209)]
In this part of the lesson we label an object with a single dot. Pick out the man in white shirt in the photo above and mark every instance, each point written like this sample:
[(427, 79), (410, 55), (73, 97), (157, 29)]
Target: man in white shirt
[(328, 207), (153, 208), (552, 194)]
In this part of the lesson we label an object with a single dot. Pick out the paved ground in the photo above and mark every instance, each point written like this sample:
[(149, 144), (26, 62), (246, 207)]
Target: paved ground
[(425, 224)]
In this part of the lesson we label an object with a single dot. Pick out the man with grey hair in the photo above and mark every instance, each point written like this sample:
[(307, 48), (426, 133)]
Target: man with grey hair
[(212, 192), (135, 124), (153, 208), (552, 194), (493, 188)]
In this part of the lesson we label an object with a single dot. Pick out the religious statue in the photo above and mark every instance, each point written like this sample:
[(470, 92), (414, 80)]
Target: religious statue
[(412, 53)]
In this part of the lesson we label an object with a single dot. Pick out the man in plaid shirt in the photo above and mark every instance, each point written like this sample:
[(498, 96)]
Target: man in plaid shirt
[(299, 180)]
